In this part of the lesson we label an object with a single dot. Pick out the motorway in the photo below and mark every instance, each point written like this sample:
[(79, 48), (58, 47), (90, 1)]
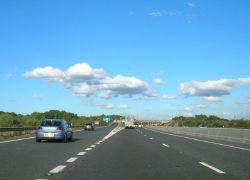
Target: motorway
[(112, 153)]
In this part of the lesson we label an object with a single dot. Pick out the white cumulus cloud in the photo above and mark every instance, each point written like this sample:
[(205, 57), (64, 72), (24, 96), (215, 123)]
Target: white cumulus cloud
[(149, 94), (106, 94), (83, 89), (188, 112), (201, 106), (112, 106), (83, 72), (123, 106), (155, 13), (80, 73), (246, 101), (212, 99), (106, 105), (168, 97), (188, 109), (122, 85), (158, 81), (211, 89), (48, 73), (83, 80), (158, 13), (189, 4)]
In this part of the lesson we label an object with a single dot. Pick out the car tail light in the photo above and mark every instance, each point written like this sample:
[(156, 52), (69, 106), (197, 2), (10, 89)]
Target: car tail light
[(60, 128)]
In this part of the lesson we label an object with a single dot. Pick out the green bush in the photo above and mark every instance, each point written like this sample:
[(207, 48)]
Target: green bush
[(210, 121), (35, 118)]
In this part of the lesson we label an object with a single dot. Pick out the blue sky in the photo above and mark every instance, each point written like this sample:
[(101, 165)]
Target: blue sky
[(151, 59)]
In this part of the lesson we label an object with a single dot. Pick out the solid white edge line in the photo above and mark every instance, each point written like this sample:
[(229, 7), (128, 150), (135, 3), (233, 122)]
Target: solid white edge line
[(165, 145), (195, 139), (57, 169), (72, 159), (213, 168), (16, 140), (78, 130), (81, 153), (41, 179)]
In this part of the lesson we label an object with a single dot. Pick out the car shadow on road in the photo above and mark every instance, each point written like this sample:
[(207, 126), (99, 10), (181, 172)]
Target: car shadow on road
[(57, 141), (74, 140)]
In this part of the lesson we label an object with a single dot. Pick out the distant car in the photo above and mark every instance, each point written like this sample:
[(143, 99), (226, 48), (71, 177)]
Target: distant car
[(54, 129), (202, 126), (89, 126), (140, 126)]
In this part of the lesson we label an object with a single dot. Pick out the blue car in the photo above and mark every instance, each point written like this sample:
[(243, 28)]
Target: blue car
[(54, 129)]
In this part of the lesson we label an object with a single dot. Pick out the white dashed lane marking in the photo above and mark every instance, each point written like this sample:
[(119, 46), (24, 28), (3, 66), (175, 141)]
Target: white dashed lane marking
[(72, 159), (151, 138), (81, 153), (211, 167), (57, 169), (165, 145)]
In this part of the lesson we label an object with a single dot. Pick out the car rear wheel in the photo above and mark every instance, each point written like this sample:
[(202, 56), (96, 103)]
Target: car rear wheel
[(38, 140), (65, 139)]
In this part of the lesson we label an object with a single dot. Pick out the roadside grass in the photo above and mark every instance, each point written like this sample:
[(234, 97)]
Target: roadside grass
[(16, 134)]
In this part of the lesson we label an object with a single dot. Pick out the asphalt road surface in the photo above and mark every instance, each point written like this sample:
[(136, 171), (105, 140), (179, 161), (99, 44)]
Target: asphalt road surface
[(26, 159), (139, 154)]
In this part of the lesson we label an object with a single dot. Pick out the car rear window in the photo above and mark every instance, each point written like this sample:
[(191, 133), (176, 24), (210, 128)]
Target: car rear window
[(51, 123)]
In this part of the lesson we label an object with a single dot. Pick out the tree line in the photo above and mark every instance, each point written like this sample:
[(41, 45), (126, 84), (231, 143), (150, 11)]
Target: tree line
[(11, 119), (210, 121)]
